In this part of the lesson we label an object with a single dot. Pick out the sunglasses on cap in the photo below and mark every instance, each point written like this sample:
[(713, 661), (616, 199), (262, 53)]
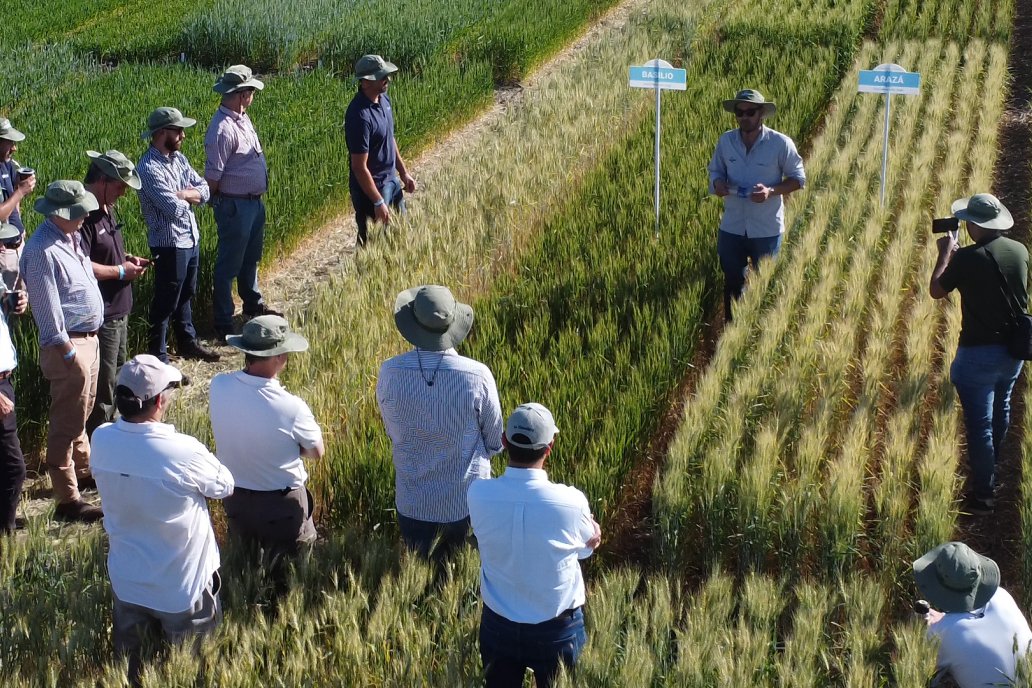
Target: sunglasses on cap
[(746, 113)]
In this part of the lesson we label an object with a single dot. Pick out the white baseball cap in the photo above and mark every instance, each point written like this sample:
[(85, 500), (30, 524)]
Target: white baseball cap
[(147, 376)]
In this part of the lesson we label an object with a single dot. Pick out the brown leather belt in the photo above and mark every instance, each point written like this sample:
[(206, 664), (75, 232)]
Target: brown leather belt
[(82, 335)]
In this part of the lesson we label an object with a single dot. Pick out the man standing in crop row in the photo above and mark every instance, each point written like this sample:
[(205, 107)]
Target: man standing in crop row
[(14, 186)]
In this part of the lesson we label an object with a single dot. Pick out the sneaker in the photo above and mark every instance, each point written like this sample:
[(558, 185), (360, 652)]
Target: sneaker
[(978, 506), (195, 350), (261, 309), (78, 511)]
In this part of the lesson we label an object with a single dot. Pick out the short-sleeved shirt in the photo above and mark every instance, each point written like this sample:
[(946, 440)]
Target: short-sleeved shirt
[(981, 648), (101, 238), (772, 159), (234, 156), (7, 189), (260, 429), (369, 128), (983, 306)]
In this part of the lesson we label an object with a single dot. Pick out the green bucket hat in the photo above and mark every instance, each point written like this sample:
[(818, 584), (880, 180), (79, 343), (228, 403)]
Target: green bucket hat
[(8, 132), (430, 318), (236, 78), (373, 68), (115, 165), (165, 117), (955, 578), (67, 199), (985, 210), (750, 97), (267, 335)]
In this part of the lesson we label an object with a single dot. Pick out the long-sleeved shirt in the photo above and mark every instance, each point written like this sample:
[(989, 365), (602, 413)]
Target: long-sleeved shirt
[(170, 220), (233, 155), (442, 413), (62, 290), (772, 159)]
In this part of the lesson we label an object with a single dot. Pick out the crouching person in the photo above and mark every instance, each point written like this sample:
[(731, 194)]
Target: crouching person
[(163, 560)]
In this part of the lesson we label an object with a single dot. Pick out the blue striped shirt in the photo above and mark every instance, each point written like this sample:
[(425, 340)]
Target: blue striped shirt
[(443, 435), (170, 220), (62, 290)]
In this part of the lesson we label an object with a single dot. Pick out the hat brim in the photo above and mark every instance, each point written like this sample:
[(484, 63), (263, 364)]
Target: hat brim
[(13, 134), (768, 107), (8, 231), (1001, 222), (292, 343), (421, 337), (183, 123), (387, 69), (948, 600), (220, 87), (133, 181), (68, 212)]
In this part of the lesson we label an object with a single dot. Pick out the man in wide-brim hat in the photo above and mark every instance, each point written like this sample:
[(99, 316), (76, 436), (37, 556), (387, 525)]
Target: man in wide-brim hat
[(981, 631), (991, 275), (378, 178), (68, 309), (238, 177), (753, 168), (263, 434), (443, 417), (109, 176)]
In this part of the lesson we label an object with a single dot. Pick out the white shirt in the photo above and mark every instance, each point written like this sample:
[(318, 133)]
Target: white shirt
[(443, 434), (531, 534), (977, 648), (8, 357), (153, 482), (260, 429)]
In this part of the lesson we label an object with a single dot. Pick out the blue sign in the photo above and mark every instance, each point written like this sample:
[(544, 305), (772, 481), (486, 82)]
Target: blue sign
[(664, 77), (890, 79)]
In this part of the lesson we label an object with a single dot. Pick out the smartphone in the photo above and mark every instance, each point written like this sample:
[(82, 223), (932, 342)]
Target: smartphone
[(942, 225)]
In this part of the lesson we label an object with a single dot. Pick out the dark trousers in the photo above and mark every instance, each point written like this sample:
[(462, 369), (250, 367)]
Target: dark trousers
[(12, 463), (508, 648), (393, 194), (432, 540), (111, 338), (735, 253), (175, 281), (241, 228)]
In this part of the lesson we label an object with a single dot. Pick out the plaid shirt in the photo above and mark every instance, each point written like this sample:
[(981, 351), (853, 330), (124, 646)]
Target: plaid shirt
[(170, 220), (62, 290)]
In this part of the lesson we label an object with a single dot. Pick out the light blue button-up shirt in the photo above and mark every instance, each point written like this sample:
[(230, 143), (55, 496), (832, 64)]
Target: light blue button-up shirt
[(771, 160)]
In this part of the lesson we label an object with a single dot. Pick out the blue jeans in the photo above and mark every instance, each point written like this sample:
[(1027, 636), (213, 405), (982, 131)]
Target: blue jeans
[(426, 537), (735, 252), (984, 377), (175, 281), (393, 195), (508, 649), (241, 228)]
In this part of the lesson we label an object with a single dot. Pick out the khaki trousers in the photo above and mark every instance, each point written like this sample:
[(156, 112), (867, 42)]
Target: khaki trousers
[(73, 389)]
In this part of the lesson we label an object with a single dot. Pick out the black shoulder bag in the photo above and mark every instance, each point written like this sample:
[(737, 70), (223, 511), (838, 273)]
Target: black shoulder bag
[(1019, 330)]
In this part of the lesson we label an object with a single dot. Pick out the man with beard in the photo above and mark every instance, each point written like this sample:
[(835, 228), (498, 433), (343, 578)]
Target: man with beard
[(377, 172), (752, 168), (13, 188), (171, 189)]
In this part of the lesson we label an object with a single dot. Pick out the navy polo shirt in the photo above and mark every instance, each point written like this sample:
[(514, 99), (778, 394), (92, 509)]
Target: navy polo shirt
[(7, 188), (369, 128), (101, 239)]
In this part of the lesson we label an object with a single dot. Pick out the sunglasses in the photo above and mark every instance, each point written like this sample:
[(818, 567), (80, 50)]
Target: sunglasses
[(746, 113)]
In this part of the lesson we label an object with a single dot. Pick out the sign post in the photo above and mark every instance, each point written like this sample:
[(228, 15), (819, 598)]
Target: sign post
[(661, 76), (888, 79)]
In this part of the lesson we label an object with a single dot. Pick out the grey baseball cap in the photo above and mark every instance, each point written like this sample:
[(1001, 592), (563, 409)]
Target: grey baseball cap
[(147, 376), (530, 426)]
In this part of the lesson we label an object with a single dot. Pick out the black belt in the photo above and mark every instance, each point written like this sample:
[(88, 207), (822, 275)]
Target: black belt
[(82, 335), (241, 197), (282, 493)]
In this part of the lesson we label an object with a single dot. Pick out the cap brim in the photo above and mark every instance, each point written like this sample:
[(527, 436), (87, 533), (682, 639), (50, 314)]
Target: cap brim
[(1001, 222), (292, 343), (419, 336), (256, 84), (947, 600), (13, 135), (768, 107), (387, 69), (133, 181), (8, 231), (184, 123), (71, 212)]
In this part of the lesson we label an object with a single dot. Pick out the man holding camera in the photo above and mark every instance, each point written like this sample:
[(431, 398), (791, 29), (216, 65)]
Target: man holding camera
[(753, 168), (988, 274), (16, 183), (107, 178)]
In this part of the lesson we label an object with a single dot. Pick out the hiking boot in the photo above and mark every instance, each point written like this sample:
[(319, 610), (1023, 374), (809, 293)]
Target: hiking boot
[(261, 309), (195, 350), (223, 331), (78, 511), (978, 506), (86, 482)]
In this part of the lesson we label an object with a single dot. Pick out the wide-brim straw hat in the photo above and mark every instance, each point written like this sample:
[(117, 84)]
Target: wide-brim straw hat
[(67, 199), (984, 210), (267, 335), (750, 97), (430, 318), (237, 78), (117, 166), (955, 578)]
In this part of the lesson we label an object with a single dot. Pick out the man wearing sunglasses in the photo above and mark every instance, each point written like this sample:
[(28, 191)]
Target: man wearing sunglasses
[(752, 169), (378, 179)]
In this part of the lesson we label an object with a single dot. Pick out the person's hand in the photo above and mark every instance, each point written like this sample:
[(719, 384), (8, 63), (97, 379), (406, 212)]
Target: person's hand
[(27, 185), (596, 539), (933, 616), (946, 244), (383, 213), (191, 196), (760, 193), (137, 260), (409, 182), (720, 188), (22, 303), (6, 405), (132, 270)]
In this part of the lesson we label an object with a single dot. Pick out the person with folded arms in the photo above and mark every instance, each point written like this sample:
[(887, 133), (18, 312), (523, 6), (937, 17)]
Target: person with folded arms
[(531, 534), (69, 310)]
